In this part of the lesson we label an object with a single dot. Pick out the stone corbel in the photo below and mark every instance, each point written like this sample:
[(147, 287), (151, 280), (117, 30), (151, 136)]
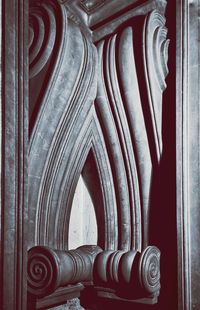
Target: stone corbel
[(132, 71), (100, 106)]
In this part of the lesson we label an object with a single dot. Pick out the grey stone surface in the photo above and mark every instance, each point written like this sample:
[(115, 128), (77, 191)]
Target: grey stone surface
[(188, 146), (14, 151), (62, 128), (102, 118), (73, 304)]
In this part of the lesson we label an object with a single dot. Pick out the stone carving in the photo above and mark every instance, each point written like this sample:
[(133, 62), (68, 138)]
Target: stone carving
[(100, 115), (43, 22), (155, 51), (117, 137), (50, 269), (131, 128), (149, 269), (65, 132), (128, 272), (91, 5)]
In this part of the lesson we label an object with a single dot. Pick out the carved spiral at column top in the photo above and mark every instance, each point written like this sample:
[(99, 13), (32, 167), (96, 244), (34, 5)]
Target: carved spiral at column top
[(50, 269), (156, 42), (43, 271), (130, 274), (44, 19), (149, 269)]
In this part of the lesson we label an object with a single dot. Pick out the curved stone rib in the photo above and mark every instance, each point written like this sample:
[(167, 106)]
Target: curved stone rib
[(155, 48), (115, 154), (133, 106), (120, 116), (35, 43), (69, 121), (62, 147), (40, 140), (90, 140), (67, 92), (44, 18)]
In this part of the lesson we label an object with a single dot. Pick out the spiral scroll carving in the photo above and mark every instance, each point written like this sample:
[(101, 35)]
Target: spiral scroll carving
[(157, 46), (50, 269), (43, 271), (118, 269), (149, 269), (42, 34), (155, 56), (120, 120)]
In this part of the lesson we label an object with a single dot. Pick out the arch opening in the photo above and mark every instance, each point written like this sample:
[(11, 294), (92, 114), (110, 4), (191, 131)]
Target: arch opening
[(83, 223)]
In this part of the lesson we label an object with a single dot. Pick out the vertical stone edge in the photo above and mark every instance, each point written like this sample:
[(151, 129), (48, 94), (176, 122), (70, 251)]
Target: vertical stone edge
[(187, 152), (194, 147), (184, 298), (14, 154)]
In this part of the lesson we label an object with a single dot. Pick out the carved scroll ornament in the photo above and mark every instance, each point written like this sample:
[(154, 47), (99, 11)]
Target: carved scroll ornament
[(129, 275), (155, 53), (100, 114), (65, 132), (50, 269), (129, 106), (43, 24)]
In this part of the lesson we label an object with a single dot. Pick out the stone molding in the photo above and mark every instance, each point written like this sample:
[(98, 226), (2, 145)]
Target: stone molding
[(14, 154), (50, 269)]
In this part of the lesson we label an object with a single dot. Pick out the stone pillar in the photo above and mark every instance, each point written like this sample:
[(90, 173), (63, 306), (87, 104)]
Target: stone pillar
[(14, 152)]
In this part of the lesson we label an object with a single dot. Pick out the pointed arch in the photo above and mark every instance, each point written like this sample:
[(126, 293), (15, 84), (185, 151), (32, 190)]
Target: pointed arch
[(66, 102), (92, 121)]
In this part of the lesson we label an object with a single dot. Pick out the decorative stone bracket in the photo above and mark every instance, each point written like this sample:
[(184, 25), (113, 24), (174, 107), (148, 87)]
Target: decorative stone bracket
[(96, 90), (129, 274), (50, 269)]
